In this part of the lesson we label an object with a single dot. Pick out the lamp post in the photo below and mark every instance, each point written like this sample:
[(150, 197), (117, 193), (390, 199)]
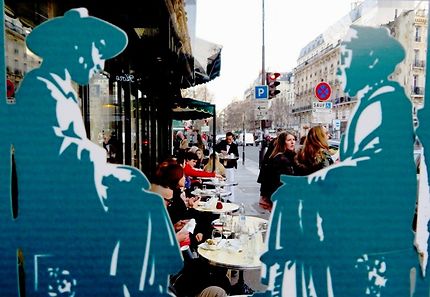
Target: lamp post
[(243, 139), (263, 78)]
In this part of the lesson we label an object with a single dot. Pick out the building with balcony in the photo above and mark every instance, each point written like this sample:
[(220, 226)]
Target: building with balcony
[(318, 61), (410, 29), (19, 60)]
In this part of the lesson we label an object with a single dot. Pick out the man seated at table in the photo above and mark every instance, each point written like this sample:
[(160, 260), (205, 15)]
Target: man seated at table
[(226, 147)]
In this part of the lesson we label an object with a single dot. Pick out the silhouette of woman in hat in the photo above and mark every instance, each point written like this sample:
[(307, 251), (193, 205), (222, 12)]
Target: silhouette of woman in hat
[(347, 228)]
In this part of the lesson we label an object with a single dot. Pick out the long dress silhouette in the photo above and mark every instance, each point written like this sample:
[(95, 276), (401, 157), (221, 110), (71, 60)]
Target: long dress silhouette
[(84, 227), (347, 228)]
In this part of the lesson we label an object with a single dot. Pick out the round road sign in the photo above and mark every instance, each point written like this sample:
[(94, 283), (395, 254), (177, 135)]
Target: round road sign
[(10, 88), (323, 91)]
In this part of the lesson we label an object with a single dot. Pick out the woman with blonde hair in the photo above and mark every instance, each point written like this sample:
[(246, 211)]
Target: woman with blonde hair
[(219, 168), (314, 154)]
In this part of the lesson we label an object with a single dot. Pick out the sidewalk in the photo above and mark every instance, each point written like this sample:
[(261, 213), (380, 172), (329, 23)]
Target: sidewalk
[(248, 192)]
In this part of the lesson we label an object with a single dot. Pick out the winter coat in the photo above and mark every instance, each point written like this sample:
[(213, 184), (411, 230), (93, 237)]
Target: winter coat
[(270, 177)]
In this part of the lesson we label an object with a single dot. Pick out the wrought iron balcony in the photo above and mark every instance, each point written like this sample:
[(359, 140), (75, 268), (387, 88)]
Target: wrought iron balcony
[(419, 63)]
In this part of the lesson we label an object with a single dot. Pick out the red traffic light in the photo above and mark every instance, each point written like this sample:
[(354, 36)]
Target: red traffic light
[(274, 75), (272, 82)]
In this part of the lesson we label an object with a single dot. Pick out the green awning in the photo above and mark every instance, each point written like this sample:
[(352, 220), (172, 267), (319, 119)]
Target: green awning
[(192, 109)]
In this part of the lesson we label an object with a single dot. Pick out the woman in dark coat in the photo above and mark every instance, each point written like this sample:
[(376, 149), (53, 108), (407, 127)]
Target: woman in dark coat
[(280, 161)]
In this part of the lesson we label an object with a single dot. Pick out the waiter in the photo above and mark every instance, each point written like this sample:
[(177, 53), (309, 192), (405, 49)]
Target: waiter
[(229, 154)]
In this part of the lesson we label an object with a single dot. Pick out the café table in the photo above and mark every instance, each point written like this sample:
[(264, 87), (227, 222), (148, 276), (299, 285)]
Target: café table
[(234, 254), (221, 184), (211, 192), (226, 207), (251, 221), (223, 157)]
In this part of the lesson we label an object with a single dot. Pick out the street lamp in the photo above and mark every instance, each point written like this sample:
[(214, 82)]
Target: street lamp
[(243, 139)]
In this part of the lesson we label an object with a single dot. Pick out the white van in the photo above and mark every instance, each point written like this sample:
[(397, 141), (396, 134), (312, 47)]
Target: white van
[(249, 139)]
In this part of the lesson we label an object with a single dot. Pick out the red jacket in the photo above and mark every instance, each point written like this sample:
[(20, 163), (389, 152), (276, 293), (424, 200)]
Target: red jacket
[(192, 172)]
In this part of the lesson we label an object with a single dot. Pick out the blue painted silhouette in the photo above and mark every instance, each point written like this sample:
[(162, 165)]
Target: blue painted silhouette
[(346, 230), (85, 227), (423, 133)]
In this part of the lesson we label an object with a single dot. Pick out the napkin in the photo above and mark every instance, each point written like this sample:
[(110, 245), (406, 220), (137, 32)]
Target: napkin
[(190, 226)]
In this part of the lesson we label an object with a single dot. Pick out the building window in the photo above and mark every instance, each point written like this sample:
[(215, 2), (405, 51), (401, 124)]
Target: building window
[(416, 56), (418, 34), (415, 89), (415, 80)]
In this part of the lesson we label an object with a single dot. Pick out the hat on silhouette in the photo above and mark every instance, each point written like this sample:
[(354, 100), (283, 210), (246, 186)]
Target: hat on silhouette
[(60, 35)]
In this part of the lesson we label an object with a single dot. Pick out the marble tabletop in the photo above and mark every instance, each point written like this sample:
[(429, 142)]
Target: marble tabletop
[(210, 192), (226, 207), (233, 254)]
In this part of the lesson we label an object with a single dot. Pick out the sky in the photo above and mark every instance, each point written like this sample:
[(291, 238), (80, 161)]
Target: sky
[(237, 26)]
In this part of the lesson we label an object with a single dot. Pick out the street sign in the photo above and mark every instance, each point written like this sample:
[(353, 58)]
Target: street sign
[(336, 124), (261, 116), (324, 110), (323, 91), (322, 105), (261, 92)]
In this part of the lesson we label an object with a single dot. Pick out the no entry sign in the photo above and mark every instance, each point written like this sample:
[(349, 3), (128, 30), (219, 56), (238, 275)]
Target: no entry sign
[(323, 91)]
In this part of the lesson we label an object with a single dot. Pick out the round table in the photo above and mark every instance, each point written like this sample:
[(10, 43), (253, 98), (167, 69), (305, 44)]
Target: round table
[(235, 256), (228, 157), (226, 207), (251, 221), (210, 193), (239, 257), (221, 183)]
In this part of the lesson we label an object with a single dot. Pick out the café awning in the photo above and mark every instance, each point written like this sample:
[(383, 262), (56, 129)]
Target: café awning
[(207, 61), (192, 109)]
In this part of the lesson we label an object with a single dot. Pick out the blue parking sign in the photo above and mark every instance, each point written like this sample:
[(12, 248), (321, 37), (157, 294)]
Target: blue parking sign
[(261, 92)]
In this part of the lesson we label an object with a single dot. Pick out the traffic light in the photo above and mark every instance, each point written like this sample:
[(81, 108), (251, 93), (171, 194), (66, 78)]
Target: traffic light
[(272, 82)]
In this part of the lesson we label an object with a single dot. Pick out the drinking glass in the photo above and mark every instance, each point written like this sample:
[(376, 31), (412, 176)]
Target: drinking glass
[(204, 188), (216, 236), (222, 218), (227, 229), (218, 190)]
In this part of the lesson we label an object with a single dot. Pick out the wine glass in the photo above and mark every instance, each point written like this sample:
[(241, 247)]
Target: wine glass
[(218, 191), (226, 230), (216, 235), (227, 227)]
